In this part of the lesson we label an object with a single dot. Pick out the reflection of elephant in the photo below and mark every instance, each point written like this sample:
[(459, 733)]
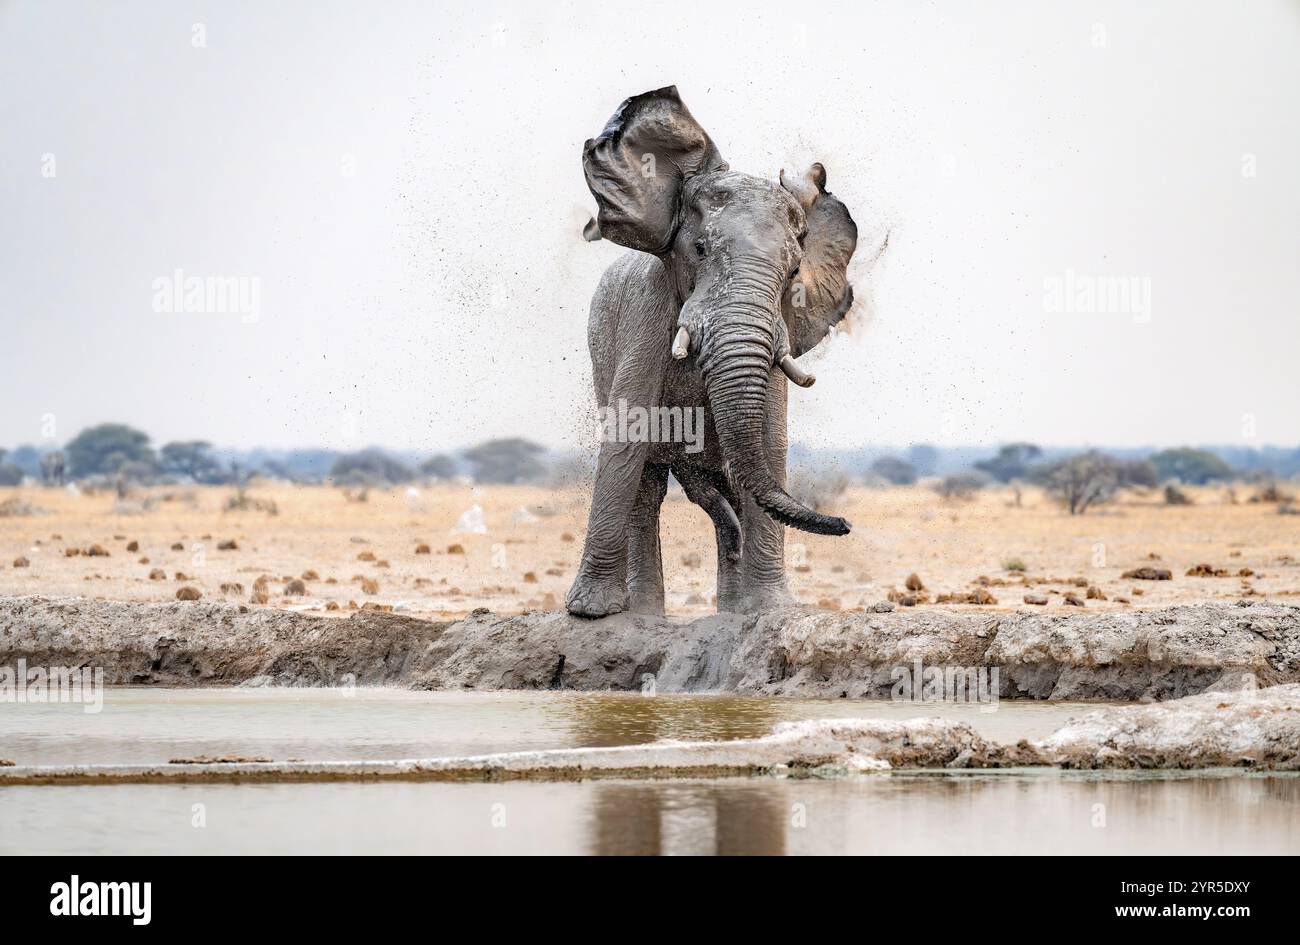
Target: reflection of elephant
[(733, 277), (733, 817)]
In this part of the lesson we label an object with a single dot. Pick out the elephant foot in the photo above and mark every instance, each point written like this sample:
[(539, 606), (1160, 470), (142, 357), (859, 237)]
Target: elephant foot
[(595, 597), (647, 603), (762, 600)]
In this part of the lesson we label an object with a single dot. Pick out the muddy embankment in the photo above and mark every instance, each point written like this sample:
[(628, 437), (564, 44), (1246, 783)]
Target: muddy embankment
[(1244, 728), (1136, 655)]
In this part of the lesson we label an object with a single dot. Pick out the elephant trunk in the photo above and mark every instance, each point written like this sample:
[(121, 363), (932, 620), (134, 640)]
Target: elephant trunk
[(737, 362)]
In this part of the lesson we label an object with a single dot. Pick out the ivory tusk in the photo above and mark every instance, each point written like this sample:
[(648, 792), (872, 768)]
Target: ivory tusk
[(681, 343), (796, 373)]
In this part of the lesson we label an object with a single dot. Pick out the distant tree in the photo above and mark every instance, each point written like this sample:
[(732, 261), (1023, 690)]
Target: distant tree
[(10, 474), (1195, 467), (309, 465), (924, 459), (28, 459), (192, 458), (440, 466), (506, 461), (133, 472), (894, 470), (1137, 472), (103, 449), (961, 485), (369, 467), (1011, 462), (52, 468), (1084, 480)]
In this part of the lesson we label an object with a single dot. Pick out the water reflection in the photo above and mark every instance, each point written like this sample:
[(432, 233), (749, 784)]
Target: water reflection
[(687, 819), (944, 815)]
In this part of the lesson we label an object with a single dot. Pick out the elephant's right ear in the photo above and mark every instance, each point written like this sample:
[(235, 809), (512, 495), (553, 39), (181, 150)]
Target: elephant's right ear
[(636, 166)]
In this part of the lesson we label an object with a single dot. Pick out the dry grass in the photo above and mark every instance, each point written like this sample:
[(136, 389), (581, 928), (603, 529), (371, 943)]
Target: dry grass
[(366, 553)]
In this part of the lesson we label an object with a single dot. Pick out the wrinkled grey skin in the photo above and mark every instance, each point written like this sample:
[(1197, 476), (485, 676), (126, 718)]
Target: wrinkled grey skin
[(753, 269)]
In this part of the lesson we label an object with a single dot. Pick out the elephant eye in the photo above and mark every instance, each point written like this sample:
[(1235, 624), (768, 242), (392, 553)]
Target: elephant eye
[(794, 272), (700, 249)]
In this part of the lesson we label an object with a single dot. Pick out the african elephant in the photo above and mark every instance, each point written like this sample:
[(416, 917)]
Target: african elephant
[(731, 278)]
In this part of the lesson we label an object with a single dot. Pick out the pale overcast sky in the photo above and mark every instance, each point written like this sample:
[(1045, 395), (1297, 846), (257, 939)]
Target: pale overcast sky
[(404, 182)]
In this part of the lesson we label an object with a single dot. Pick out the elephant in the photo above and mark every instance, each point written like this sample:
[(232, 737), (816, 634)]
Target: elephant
[(730, 278)]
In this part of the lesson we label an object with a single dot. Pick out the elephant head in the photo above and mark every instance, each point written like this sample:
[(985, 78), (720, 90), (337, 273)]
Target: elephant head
[(759, 268)]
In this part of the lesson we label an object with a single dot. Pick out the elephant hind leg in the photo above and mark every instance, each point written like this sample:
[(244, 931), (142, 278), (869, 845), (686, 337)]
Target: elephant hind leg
[(711, 492), (645, 567)]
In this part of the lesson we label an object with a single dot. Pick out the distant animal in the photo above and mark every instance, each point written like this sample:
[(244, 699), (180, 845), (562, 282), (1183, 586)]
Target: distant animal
[(732, 277)]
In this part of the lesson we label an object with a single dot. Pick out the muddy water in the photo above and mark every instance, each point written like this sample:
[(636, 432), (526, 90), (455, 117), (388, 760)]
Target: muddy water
[(141, 726), (940, 815), (943, 814)]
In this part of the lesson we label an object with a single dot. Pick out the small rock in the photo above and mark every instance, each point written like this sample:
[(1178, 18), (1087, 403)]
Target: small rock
[(157, 574), (369, 586), (882, 607), (366, 556), (21, 562), (310, 575), (1095, 593), (1147, 574), (295, 588), (177, 546), (1074, 601), (1038, 600), (530, 577), (71, 552), (422, 549), (228, 545), (913, 582), (133, 546), (188, 593), (456, 549), (97, 551)]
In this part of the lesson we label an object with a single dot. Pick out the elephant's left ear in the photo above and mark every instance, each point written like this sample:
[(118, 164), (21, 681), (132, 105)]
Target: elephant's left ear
[(636, 166), (820, 295)]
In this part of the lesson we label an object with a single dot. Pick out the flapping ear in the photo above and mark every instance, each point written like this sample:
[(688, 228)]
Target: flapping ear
[(820, 295), (636, 167)]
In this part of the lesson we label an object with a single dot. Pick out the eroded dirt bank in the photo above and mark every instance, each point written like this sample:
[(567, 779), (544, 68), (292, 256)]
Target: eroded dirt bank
[(1157, 654)]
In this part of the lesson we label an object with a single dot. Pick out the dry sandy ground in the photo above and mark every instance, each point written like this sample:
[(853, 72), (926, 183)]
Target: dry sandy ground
[(527, 559)]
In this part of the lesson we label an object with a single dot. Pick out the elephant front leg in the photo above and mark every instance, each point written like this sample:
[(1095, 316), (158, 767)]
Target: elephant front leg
[(645, 563), (600, 587)]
